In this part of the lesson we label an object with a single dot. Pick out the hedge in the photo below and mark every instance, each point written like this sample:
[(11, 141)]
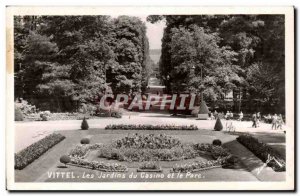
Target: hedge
[(262, 150), (35, 150), (151, 127)]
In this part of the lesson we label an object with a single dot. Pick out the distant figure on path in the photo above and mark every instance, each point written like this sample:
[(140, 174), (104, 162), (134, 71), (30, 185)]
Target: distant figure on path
[(241, 116), (279, 122), (268, 118), (274, 121), (258, 118), (230, 115), (211, 115), (227, 115), (254, 120)]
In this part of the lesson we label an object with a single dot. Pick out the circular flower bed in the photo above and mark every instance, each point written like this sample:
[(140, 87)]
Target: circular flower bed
[(149, 147)]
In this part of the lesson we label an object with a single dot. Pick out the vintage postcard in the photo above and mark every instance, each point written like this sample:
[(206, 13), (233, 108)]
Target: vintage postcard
[(150, 98)]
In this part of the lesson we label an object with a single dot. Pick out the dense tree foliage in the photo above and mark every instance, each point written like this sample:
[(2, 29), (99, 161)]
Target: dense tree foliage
[(62, 59), (239, 53)]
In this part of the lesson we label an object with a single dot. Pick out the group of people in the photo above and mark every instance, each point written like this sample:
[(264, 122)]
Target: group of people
[(275, 120), (229, 115)]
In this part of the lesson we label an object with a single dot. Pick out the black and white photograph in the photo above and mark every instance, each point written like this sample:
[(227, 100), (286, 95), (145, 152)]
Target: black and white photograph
[(137, 98)]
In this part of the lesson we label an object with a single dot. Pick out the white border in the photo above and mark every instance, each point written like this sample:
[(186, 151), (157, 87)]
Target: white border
[(289, 54)]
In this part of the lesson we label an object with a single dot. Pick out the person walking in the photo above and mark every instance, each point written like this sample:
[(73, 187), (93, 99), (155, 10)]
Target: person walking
[(241, 116), (254, 120), (227, 116), (216, 114), (279, 122), (258, 118), (268, 118), (274, 121)]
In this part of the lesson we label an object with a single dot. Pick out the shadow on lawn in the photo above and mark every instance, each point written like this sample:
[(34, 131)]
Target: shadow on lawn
[(247, 158)]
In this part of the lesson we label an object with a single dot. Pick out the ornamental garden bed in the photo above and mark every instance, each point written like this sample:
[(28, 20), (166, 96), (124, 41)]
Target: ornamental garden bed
[(148, 149), (263, 152), (151, 127)]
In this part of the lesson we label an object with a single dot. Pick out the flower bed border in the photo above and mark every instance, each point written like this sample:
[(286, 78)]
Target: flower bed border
[(36, 151), (104, 170)]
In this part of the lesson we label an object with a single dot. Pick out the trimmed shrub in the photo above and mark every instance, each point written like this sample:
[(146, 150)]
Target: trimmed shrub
[(84, 124), (218, 125), (65, 159), (262, 150), (18, 115), (203, 108), (35, 150), (217, 142), (85, 141)]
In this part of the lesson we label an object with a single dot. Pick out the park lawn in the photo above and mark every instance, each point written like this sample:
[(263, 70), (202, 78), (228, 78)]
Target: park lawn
[(49, 162)]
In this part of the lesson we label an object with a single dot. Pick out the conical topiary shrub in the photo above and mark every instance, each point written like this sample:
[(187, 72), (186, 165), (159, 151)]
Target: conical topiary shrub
[(218, 125), (203, 108), (203, 111), (84, 124)]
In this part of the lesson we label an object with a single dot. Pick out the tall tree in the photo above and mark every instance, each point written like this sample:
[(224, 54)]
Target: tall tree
[(255, 40)]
